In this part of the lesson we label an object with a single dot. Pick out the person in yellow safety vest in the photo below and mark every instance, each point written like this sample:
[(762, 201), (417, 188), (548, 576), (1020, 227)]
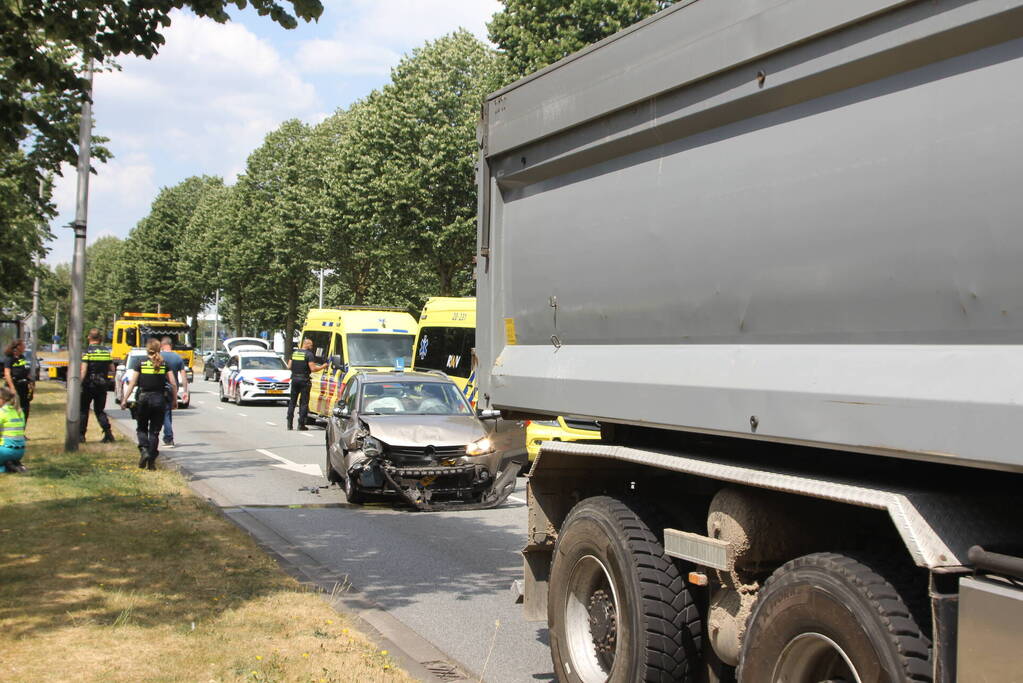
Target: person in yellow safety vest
[(97, 364), (12, 432), (18, 375), (152, 376), (302, 364)]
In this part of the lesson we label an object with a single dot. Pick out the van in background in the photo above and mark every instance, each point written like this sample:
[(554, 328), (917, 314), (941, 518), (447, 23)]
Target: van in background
[(352, 338)]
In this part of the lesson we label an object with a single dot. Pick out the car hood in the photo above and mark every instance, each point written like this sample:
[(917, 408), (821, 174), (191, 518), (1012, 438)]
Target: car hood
[(425, 430)]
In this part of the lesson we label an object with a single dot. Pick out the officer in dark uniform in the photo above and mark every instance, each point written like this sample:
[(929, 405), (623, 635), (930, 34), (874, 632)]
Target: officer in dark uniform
[(302, 364), (152, 376), (97, 364), (18, 376)]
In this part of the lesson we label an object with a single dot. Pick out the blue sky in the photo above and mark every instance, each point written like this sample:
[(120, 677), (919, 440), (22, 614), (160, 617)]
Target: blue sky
[(206, 101)]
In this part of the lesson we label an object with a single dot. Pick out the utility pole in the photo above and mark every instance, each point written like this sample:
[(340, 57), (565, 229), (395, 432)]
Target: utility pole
[(56, 325), (34, 325), (321, 287), (77, 315)]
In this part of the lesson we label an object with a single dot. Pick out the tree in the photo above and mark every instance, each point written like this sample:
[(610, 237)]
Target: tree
[(45, 43), (412, 153), (157, 245), (535, 33), (279, 190), (104, 296)]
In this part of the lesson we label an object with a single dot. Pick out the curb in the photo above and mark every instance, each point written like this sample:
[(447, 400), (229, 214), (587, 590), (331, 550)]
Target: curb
[(417, 656)]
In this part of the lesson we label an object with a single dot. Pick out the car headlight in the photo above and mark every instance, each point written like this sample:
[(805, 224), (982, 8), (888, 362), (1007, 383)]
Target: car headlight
[(372, 447), (480, 447), (248, 382)]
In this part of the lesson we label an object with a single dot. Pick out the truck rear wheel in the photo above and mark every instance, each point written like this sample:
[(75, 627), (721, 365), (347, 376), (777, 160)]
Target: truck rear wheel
[(618, 607), (831, 617)]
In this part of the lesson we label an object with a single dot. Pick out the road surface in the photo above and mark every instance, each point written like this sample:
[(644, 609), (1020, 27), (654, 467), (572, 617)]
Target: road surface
[(445, 575)]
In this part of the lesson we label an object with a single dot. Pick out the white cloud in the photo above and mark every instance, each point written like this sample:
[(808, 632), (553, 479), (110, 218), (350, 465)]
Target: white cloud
[(333, 56), (208, 98), (370, 36)]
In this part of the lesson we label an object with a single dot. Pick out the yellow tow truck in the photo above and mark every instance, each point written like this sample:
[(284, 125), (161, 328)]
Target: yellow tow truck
[(133, 330)]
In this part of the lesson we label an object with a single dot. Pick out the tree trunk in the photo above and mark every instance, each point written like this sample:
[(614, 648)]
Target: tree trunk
[(289, 323), (238, 312)]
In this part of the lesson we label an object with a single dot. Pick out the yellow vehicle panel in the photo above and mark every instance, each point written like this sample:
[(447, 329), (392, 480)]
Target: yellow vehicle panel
[(135, 329), (538, 431), (364, 338), (447, 339)]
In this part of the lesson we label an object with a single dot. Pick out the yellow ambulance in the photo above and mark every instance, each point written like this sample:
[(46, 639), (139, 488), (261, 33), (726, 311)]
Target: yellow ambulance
[(133, 330), (447, 337), (353, 338)]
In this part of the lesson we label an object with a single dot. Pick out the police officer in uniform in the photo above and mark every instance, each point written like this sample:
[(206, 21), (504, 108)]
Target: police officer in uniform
[(18, 376), (97, 364), (151, 375), (302, 364)]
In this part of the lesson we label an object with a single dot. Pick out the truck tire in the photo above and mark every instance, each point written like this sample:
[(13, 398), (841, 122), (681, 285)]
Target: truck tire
[(828, 616), (223, 397), (618, 607)]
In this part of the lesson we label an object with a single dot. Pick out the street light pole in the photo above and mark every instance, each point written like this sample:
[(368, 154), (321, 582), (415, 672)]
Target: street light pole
[(34, 326), (77, 313), (321, 287)]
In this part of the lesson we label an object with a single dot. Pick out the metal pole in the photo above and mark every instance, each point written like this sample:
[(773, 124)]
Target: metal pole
[(56, 325), (76, 320), (321, 287), (34, 325)]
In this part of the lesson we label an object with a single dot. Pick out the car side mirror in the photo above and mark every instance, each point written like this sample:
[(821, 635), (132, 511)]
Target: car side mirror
[(341, 411), (488, 414), (336, 364)]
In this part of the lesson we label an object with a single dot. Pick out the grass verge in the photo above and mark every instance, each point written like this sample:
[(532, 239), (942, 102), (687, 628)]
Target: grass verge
[(111, 573)]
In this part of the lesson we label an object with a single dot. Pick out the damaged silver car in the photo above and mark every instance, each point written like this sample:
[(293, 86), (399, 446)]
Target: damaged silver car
[(414, 435)]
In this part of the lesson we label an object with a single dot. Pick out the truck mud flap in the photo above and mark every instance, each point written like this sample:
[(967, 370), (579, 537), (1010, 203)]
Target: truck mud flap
[(501, 487)]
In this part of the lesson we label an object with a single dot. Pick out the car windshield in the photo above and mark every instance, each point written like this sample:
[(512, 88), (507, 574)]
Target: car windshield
[(413, 398), (379, 350), (262, 363)]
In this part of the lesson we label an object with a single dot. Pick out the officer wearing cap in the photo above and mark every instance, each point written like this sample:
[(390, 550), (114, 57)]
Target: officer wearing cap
[(97, 364), (18, 375)]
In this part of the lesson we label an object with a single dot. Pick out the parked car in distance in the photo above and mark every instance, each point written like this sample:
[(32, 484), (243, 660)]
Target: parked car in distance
[(415, 435), (258, 376), (213, 363)]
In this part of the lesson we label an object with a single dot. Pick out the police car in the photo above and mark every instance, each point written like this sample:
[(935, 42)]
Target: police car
[(254, 375)]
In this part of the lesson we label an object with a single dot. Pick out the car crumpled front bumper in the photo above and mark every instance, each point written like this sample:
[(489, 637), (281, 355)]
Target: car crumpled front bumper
[(467, 483)]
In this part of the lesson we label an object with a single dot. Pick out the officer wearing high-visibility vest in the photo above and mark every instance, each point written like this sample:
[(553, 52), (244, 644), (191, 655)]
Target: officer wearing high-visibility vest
[(12, 432), (97, 364), (151, 375), (18, 376), (302, 364)]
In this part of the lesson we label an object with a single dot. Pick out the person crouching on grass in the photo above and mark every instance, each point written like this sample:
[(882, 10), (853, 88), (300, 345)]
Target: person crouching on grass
[(151, 375), (12, 432)]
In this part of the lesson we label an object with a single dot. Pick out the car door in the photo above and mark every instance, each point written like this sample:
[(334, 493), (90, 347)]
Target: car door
[(317, 387), (348, 427), (229, 375)]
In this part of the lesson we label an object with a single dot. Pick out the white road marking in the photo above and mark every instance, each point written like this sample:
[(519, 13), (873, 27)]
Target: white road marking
[(517, 500), (243, 414), (220, 407), (198, 403), (272, 424), (311, 436), (311, 470)]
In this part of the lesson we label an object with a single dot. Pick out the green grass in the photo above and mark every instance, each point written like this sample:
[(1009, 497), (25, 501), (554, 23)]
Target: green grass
[(111, 573)]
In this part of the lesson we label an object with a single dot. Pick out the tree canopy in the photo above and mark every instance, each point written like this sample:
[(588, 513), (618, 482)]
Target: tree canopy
[(535, 33)]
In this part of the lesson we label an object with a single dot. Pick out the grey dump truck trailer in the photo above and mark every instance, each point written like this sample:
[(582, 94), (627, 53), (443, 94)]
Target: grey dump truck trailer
[(775, 247)]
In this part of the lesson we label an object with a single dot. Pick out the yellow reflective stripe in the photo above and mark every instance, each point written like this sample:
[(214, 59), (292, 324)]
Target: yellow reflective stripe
[(298, 356), (13, 423), (149, 369)]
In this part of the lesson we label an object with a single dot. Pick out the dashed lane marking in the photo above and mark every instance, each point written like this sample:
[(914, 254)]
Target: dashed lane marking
[(243, 414), (220, 407), (272, 424), (311, 436)]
